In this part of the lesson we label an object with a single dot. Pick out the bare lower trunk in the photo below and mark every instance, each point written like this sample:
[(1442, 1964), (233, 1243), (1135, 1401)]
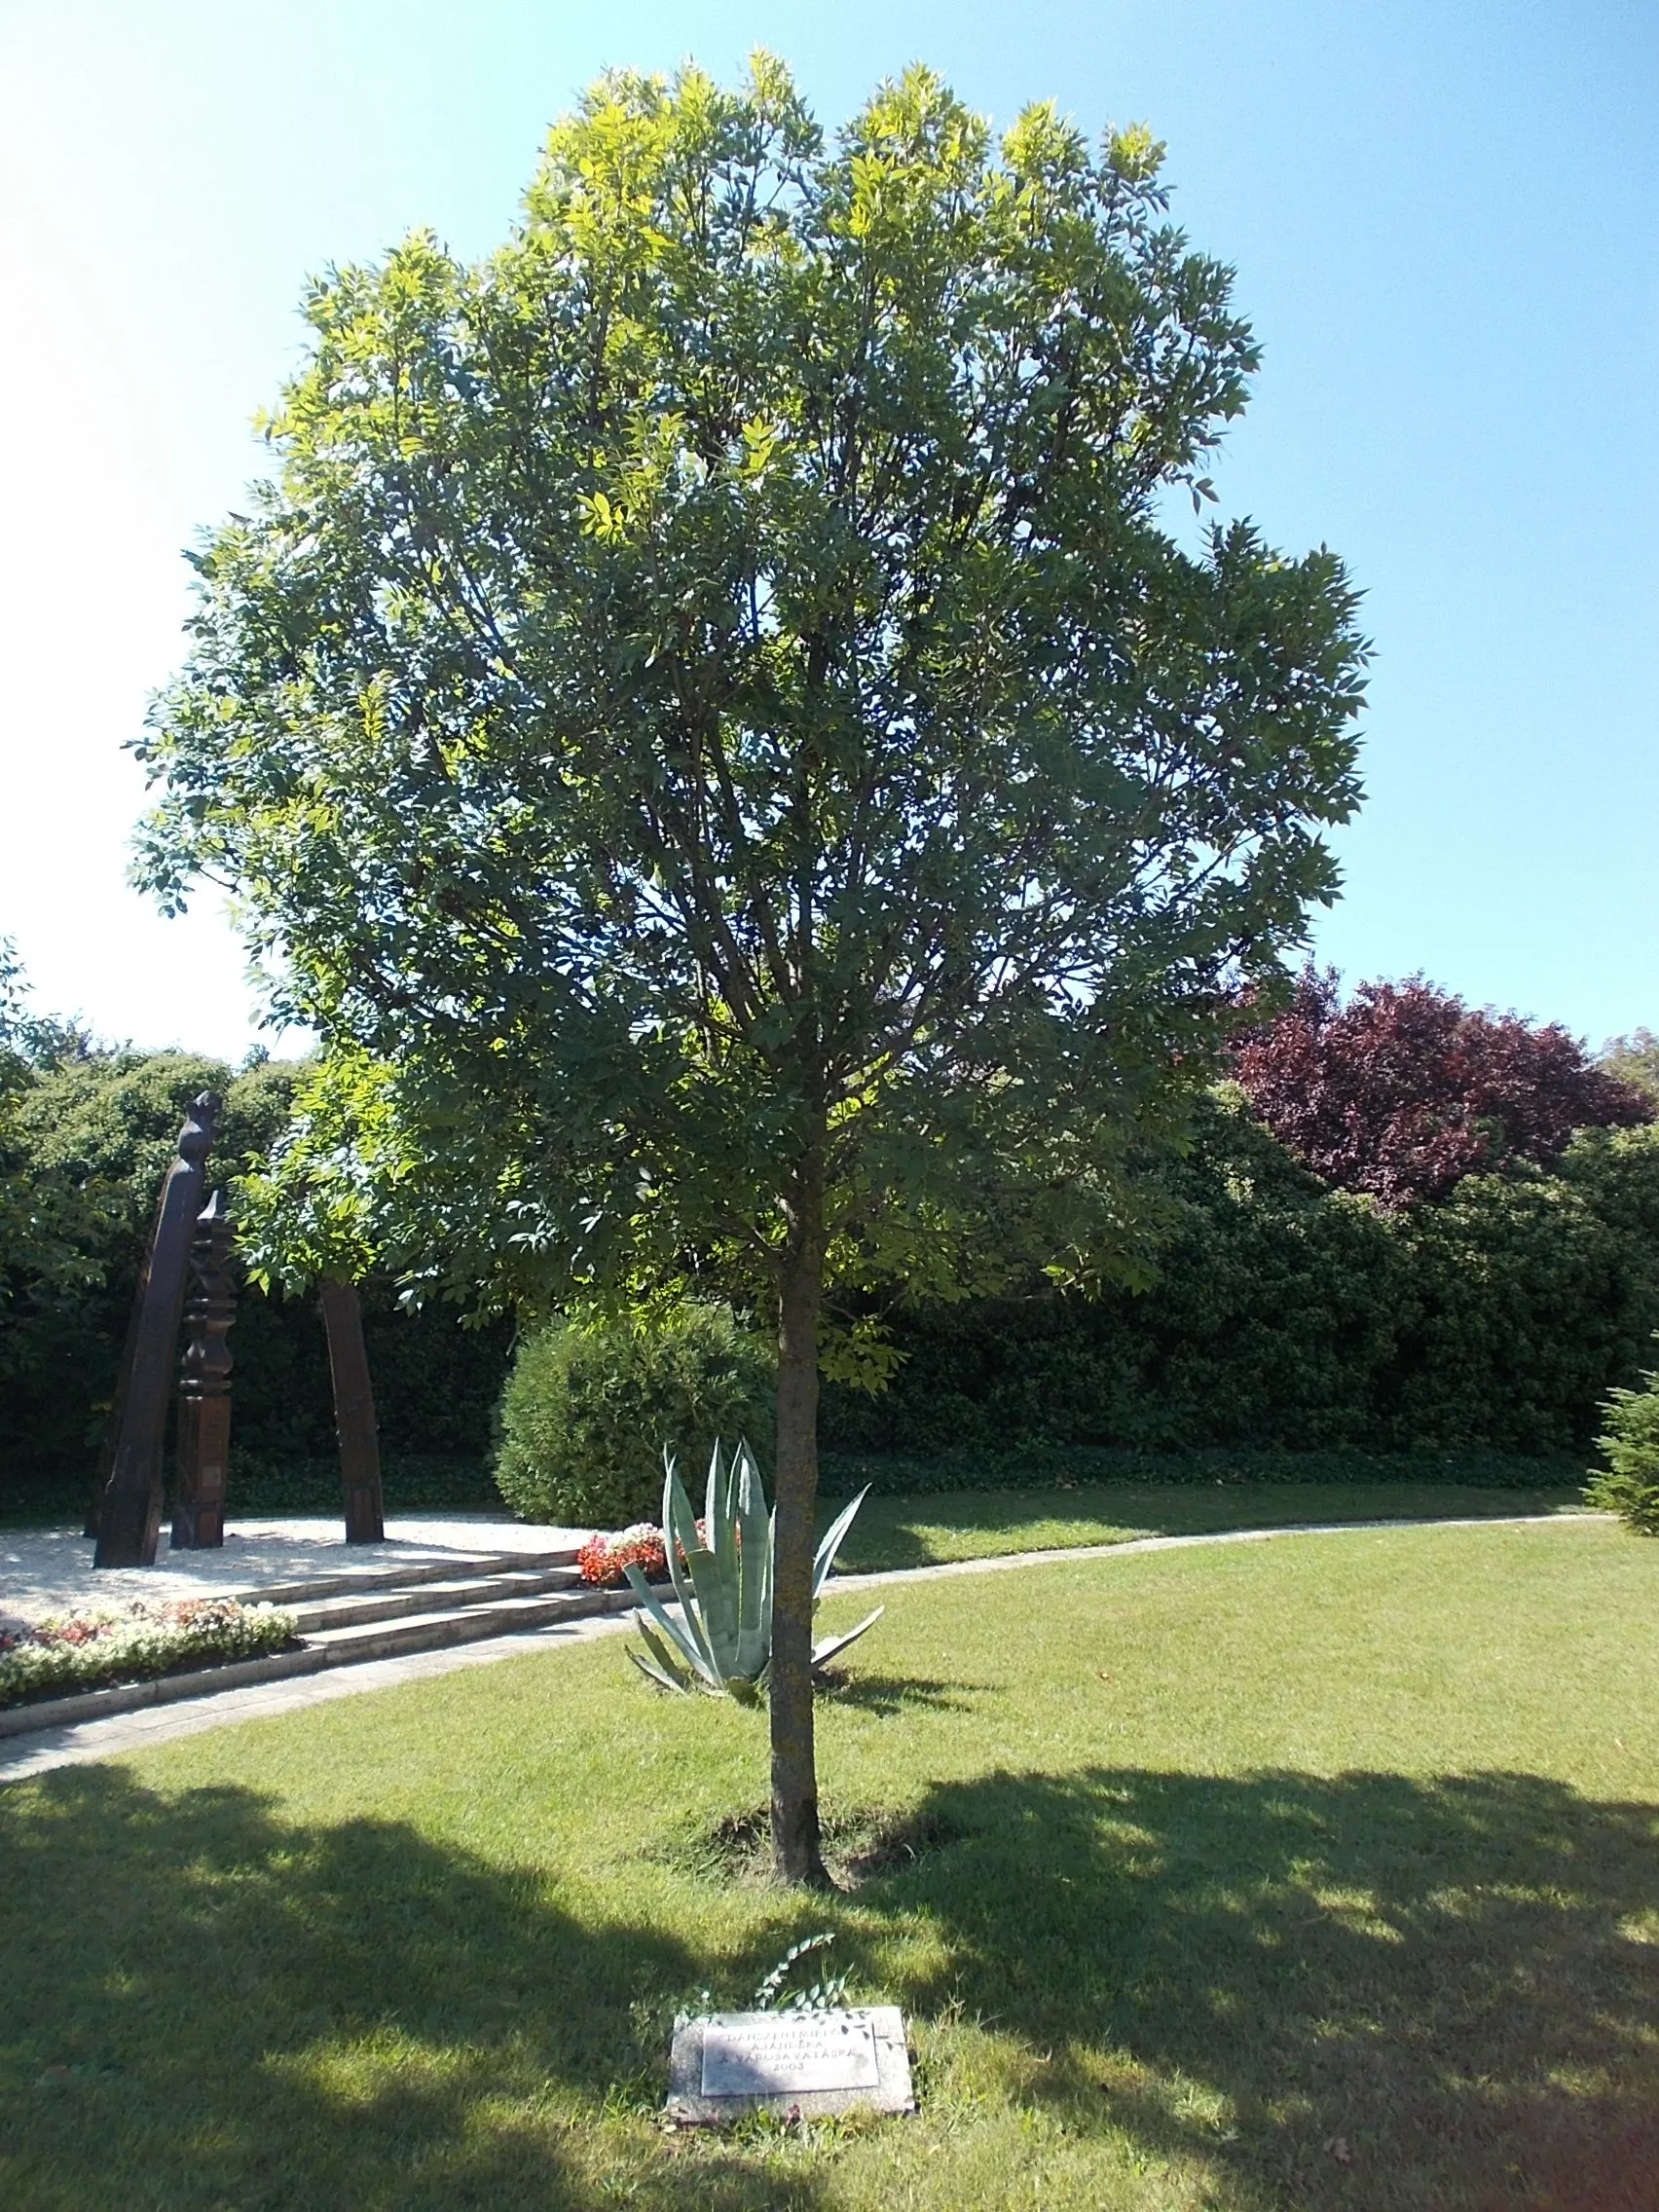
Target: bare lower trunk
[(795, 1852)]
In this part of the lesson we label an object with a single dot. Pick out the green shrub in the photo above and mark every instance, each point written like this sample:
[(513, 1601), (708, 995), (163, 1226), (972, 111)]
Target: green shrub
[(1628, 1484), (589, 1408)]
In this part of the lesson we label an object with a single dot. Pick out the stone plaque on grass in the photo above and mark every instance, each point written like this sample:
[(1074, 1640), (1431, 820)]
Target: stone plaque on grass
[(814, 2064)]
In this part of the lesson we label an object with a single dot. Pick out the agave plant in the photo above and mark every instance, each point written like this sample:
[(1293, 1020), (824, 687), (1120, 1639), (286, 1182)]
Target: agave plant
[(721, 1640)]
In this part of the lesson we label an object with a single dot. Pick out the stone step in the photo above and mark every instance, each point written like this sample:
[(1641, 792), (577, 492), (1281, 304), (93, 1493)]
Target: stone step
[(385, 1638), (372, 1603), (366, 1618), (369, 1577)]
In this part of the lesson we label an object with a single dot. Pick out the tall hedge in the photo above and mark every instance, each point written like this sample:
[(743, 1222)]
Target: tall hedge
[(100, 1129), (1291, 1315), (1287, 1316)]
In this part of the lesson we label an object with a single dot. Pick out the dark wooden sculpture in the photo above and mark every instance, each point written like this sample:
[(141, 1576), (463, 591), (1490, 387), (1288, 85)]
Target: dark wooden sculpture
[(123, 1377), (204, 1385), (354, 1414), (130, 1511), (118, 1404), (189, 1252)]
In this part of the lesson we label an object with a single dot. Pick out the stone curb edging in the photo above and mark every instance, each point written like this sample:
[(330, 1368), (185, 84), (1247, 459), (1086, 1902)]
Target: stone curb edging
[(160, 1690)]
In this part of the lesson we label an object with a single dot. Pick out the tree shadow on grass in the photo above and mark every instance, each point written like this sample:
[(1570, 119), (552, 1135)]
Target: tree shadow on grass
[(887, 1694), (1411, 1994), (207, 2006)]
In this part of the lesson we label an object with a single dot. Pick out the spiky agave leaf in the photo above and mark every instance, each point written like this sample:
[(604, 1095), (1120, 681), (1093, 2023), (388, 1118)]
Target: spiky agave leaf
[(677, 1634), (833, 1645), (680, 1541), (660, 1675), (711, 1566), (716, 1602), (670, 1661), (718, 1515), (830, 1543), (755, 1568)]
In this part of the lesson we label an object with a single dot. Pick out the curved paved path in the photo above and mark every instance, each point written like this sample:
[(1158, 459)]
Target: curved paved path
[(124, 1732), (45, 1570)]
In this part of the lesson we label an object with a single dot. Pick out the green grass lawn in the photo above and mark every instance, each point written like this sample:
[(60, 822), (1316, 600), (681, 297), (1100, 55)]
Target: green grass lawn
[(1318, 1874), (984, 1524)]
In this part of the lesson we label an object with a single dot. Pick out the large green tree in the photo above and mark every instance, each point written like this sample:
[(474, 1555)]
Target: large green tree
[(1634, 1060), (47, 1220), (719, 726)]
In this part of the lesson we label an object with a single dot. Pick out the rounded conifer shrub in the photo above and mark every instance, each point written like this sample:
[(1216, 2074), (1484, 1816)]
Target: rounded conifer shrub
[(1628, 1484), (589, 1405)]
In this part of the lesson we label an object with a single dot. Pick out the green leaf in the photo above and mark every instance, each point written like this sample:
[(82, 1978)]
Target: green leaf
[(831, 1543), (833, 1645), (681, 1638)]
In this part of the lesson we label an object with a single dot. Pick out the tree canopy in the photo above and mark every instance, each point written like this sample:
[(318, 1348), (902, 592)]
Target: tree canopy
[(717, 724), (46, 1220), (1634, 1060)]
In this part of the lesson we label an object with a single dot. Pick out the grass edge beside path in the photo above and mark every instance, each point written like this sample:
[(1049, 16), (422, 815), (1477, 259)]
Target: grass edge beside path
[(941, 1527)]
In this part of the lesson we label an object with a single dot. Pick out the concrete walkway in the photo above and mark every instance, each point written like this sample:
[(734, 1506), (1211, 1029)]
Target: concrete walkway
[(48, 1571), (119, 1733)]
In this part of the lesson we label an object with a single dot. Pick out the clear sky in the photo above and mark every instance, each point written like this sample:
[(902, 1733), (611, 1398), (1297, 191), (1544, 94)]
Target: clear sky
[(1443, 223)]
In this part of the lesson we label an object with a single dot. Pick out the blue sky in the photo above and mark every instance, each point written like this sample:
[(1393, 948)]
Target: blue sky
[(1444, 224)]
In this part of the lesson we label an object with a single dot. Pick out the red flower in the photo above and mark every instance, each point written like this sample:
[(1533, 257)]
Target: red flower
[(602, 1558)]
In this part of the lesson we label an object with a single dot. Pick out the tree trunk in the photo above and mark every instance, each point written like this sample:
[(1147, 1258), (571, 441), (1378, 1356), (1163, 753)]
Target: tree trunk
[(795, 1852)]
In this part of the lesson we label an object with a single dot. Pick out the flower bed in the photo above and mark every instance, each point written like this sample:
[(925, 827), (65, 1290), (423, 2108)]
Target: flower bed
[(602, 1558), (85, 1650)]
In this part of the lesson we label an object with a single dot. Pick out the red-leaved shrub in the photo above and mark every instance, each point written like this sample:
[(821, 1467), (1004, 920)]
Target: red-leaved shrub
[(1405, 1090)]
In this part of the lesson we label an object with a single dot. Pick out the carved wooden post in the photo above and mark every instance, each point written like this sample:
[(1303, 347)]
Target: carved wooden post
[(123, 1377), (204, 1385), (131, 1514), (118, 1404), (354, 1414)]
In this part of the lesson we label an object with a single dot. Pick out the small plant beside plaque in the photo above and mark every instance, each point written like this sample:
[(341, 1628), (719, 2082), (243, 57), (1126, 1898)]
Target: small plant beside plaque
[(820, 1996)]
